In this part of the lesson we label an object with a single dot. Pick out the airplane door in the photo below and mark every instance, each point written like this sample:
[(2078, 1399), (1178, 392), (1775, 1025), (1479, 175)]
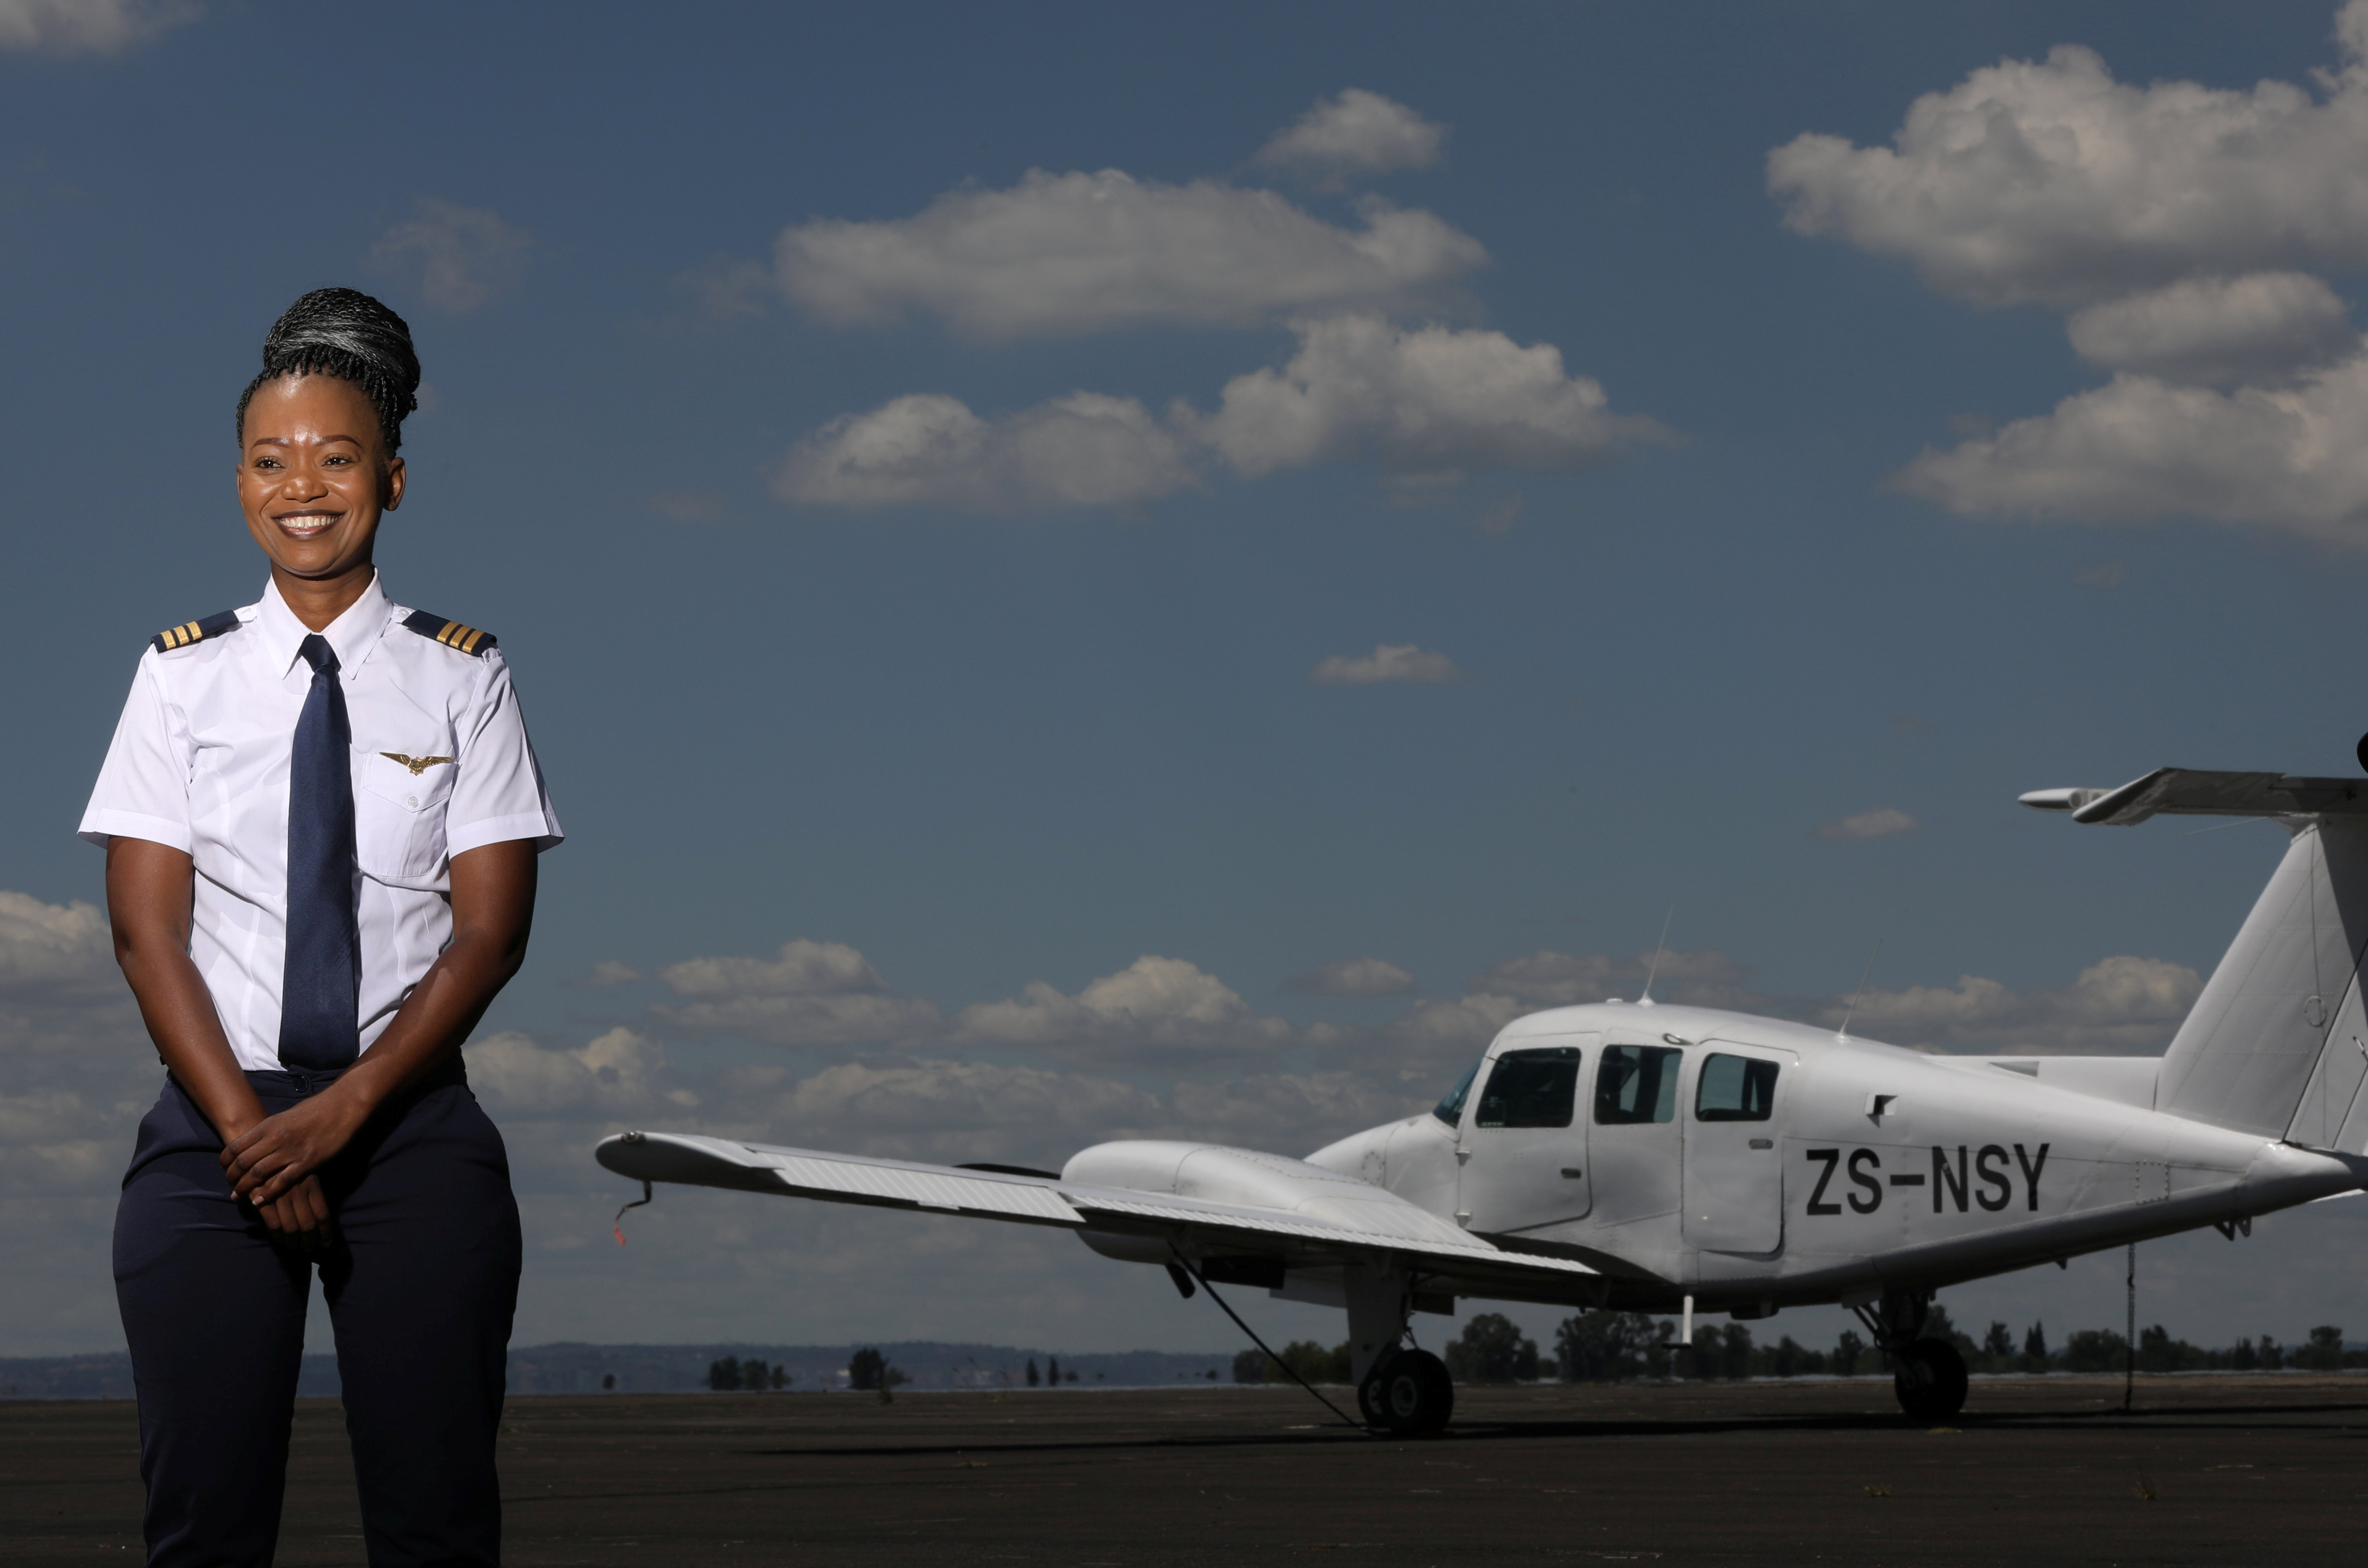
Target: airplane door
[(1733, 1167), (1633, 1134), (1524, 1146)]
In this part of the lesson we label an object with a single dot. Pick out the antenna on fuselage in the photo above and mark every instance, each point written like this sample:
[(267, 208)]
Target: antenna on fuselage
[(1843, 1033), (1658, 949)]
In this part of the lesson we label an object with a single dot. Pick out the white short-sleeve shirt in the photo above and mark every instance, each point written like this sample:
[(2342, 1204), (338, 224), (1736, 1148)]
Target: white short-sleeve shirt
[(442, 764)]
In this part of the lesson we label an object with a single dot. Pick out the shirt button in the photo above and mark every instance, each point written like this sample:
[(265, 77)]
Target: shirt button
[(412, 800)]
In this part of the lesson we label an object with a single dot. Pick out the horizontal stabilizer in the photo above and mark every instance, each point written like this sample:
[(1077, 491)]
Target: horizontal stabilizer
[(2198, 793)]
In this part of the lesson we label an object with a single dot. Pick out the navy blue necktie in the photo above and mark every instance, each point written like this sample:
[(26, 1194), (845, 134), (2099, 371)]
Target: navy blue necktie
[(321, 987)]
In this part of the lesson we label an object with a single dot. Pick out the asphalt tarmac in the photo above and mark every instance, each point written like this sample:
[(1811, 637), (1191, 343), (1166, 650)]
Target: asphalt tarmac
[(2209, 1470)]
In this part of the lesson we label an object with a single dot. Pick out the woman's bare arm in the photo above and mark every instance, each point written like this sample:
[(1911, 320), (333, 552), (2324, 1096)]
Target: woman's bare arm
[(493, 913), (150, 888)]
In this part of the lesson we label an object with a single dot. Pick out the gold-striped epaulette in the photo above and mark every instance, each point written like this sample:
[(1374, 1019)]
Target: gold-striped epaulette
[(191, 631), (451, 633)]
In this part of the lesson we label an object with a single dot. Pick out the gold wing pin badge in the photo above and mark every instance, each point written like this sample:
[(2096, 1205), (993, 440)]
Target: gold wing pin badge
[(419, 765)]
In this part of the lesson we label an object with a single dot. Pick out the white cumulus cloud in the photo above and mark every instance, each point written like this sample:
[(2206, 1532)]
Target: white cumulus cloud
[(88, 27), (1061, 255), (1155, 1009), (1288, 1112), (2290, 458), (1702, 977), (1429, 400), (1353, 977), (802, 968), (1403, 663), (2119, 1005), (826, 993), (455, 257), (1880, 822), (813, 993), (1424, 403), (77, 1068), (2049, 180), (618, 1073), (2172, 222), (899, 1100), (2254, 328), (1420, 1052), (54, 953), (1084, 449), (1358, 132)]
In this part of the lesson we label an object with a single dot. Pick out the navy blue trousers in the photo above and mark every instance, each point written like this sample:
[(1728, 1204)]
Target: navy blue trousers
[(421, 1285)]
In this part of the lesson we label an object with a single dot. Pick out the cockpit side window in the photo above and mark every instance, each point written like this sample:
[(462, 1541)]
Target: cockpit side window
[(1636, 1083), (1451, 1109), (1530, 1088), (1735, 1088)]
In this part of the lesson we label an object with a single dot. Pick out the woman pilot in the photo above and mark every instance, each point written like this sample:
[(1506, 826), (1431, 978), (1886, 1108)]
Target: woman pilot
[(321, 815)]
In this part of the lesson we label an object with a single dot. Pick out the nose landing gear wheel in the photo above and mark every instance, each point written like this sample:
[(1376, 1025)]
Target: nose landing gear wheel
[(1929, 1381), (1409, 1393)]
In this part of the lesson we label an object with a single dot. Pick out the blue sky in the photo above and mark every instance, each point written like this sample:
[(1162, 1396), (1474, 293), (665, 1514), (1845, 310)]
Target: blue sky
[(1088, 522)]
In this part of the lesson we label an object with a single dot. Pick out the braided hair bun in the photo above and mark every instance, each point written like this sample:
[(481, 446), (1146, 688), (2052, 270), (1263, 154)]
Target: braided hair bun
[(346, 334)]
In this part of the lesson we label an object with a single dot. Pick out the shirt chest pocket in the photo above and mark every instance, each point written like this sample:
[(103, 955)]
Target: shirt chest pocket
[(399, 799)]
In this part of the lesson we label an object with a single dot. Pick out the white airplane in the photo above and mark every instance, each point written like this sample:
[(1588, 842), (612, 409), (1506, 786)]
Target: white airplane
[(1680, 1159)]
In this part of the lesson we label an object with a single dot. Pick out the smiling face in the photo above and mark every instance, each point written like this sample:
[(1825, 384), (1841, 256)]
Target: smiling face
[(312, 477)]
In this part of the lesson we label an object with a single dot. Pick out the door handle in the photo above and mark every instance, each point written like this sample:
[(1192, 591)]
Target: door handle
[(1763, 1142)]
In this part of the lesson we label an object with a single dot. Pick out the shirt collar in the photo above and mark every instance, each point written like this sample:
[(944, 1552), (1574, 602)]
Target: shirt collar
[(351, 636)]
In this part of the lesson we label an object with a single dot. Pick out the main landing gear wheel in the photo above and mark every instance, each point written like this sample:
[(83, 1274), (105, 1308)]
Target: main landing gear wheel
[(1409, 1393), (1929, 1381)]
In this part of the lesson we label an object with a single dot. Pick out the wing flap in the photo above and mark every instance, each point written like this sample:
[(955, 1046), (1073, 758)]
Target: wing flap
[(923, 1188), (834, 1178)]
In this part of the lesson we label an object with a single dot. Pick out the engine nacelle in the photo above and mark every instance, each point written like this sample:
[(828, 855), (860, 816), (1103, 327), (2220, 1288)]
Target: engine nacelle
[(1213, 1173)]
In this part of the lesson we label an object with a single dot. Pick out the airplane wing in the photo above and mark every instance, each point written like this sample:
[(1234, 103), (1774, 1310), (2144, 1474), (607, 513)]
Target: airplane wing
[(2190, 792), (1376, 1221)]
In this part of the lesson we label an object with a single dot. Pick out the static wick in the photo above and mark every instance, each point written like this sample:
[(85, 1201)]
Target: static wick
[(617, 1225)]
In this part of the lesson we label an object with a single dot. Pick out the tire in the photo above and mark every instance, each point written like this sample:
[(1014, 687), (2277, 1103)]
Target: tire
[(1408, 1393), (1930, 1381)]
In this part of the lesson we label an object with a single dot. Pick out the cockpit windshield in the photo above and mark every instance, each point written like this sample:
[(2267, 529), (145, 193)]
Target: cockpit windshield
[(1451, 1109)]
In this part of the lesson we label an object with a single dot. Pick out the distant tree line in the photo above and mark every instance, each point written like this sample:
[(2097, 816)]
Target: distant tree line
[(1609, 1346), (1491, 1350), (866, 1369), (731, 1373), (1313, 1364), (871, 1372)]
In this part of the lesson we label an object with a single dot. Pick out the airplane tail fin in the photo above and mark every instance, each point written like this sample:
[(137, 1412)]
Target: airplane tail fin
[(2278, 1044)]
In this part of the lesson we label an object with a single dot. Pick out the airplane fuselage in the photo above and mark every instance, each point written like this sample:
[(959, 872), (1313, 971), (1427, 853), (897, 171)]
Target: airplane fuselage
[(1752, 1164)]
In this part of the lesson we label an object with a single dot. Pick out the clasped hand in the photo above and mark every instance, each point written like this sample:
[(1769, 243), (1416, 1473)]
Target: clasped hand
[(275, 1165)]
